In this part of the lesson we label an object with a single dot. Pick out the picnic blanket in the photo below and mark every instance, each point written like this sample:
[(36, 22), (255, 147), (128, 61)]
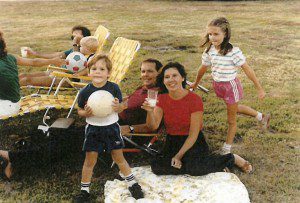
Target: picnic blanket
[(212, 188)]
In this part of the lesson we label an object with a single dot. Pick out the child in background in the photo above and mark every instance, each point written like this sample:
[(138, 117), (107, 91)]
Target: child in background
[(103, 133), (225, 60), (88, 47)]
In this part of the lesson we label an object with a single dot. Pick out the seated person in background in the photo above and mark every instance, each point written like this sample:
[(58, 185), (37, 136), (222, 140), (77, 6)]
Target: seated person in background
[(133, 118), (78, 32), (9, 80), (88, 46), (186, 150)]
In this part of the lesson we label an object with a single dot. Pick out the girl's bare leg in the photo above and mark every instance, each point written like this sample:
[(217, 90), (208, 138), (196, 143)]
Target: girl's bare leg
[(231, 119), (246, 110)]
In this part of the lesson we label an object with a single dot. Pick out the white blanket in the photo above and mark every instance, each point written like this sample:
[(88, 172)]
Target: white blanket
[(212, 188)]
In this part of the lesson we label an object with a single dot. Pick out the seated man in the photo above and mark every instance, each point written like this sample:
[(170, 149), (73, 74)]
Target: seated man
[(133, 118)]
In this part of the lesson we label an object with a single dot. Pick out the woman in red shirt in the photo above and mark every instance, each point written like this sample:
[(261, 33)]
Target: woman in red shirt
[(185, 151)]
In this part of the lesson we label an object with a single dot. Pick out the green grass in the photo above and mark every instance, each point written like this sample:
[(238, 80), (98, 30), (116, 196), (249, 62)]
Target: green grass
[(266, 32)]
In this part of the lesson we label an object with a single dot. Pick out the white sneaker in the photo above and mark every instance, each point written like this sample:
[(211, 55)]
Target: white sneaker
[(265, 121), (224, 151)]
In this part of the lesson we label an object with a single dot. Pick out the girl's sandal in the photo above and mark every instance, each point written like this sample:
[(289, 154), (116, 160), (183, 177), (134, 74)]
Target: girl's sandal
[(247, 167)]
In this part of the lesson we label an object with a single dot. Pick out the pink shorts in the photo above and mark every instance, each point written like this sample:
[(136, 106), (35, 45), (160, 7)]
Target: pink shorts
[(231, 91)]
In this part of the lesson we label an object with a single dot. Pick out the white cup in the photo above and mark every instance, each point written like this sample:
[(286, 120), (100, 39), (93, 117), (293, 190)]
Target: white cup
[(152, 97), (24, 51)]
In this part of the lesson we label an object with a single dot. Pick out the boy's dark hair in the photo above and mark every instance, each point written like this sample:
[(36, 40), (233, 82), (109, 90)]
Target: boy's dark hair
[(157, 63), (85, 31), (222, 23), (99, 57), (3, 51), (160, 77)]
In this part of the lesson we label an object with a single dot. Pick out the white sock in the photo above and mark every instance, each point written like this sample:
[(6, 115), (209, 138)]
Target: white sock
[(85, 186), (226, 148), (259, 116), (121, 175), (130, 180)]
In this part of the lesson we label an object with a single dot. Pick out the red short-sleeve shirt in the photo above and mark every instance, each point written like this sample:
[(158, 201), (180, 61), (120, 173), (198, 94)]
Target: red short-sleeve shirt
[(177, 113)]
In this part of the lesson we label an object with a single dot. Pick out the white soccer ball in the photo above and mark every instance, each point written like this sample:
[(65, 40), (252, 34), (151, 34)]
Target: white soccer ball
[(76, 62), (101, 103)]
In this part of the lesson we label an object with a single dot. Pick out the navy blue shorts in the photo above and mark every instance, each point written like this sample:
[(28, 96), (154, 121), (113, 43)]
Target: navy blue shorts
[(102, 138)]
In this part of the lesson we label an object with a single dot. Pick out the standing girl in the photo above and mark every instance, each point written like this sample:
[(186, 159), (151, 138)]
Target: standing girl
[(225, 60)]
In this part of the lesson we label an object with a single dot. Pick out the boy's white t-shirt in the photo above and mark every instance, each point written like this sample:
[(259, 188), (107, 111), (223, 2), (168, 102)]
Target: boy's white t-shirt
[(223, 68), (103, 121)]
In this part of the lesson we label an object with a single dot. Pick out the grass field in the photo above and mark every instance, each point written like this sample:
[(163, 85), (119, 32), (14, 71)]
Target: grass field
[(268, 34)]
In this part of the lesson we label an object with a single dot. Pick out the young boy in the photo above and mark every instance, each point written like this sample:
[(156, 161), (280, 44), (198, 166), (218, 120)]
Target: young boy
[(88, 47), (102, 133)]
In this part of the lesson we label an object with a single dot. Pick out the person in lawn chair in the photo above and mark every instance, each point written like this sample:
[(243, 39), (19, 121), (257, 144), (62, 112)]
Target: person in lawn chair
[(133, 118), (88, 47), (78, 32), (9, 80)]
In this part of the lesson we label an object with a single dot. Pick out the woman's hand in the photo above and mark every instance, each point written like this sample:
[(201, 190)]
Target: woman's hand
[(147, 106), (261, 94), (176, 162)]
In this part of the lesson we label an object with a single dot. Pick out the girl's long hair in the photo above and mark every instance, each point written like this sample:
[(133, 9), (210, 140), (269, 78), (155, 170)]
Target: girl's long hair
[(3, 51), (222, 23)]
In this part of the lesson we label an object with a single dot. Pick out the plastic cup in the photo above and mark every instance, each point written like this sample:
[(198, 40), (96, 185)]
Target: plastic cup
[(24, 51), (152, 97)]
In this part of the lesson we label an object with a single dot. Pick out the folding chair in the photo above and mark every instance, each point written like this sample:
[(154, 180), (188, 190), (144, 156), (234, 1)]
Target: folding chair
[(102, 34), (32, 103)]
